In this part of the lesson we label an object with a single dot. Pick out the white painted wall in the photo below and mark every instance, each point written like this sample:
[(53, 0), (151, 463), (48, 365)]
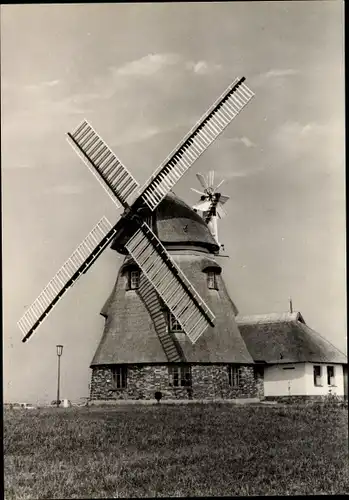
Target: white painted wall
[(299, 381), (323, 390), (280, 382)]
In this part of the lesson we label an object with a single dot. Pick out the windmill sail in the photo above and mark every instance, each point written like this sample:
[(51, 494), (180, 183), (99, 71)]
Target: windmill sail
[(220, 211), (78, 263), (203, 206), (167, 279), (197, 191), (198, 139), (105, 166), (170, 283), (223, 198), (202, 180), (211, 203)]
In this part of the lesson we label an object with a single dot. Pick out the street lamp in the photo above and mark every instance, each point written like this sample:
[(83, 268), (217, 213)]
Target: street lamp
[(59, 354)]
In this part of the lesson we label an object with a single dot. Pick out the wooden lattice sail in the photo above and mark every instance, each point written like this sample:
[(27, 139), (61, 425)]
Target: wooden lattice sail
[(178, 293)]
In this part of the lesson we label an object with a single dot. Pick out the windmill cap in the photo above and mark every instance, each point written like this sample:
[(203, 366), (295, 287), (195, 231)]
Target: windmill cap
[(176, 223)]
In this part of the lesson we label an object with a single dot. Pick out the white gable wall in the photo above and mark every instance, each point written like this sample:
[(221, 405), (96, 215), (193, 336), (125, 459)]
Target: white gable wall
[(281, 382), (298, 380)]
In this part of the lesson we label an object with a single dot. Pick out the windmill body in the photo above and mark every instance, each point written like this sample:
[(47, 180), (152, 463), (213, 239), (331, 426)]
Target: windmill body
[(165, 278), (170, 325), (142, 350)]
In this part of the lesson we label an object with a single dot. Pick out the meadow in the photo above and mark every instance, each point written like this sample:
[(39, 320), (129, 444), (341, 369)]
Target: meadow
[(173, 450)]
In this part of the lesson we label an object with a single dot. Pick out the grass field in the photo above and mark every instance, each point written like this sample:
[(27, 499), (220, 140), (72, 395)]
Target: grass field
[(196, 450)]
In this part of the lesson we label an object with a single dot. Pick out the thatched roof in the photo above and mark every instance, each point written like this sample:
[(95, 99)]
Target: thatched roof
[(286, 338), (135, 329)]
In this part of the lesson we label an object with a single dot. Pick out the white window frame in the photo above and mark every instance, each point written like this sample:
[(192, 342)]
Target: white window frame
[(234, 375), (174, 326), (119, 377), (180, 376), (331, 381), (212, 280), (134, 278), (317, 378)]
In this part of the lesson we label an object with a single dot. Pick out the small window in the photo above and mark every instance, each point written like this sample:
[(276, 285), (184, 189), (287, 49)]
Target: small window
[(211, 280), (119, 377), (173, 324), (317, 375), (134, 279), (330, 375), (180, 376), (234, 375)]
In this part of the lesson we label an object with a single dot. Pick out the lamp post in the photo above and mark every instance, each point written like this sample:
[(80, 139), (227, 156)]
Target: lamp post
[(59, 354)]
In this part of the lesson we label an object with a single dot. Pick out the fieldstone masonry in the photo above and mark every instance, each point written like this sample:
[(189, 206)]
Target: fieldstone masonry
[(208, 382), (259, 378)]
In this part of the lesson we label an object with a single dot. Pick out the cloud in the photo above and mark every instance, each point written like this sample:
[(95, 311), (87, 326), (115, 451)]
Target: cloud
[(163, 69), (246, 172), (274, 75), (293, 132), (148, 65), (243, 140), (120, 79), (137, 134), (154, 63), (51, 83), (34, 110), (8, 165), (277, 73), (203, 67), (41, 85), (294, 139)]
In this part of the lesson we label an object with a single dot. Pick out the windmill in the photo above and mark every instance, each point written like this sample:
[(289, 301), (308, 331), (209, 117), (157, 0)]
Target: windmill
[(142, 244), (211, 202)]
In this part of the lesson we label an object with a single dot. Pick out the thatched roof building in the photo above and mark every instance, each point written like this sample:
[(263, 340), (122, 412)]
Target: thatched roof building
[(286, 338), (136, 320), (142, 351)]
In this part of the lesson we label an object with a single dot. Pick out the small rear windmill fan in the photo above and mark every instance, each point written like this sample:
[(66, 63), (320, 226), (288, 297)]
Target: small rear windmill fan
[(211, 202)]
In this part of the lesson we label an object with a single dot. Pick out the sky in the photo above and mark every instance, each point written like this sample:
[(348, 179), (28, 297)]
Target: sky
[(142, 75)]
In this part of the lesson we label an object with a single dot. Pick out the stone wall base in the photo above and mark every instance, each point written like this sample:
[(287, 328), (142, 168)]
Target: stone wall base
[(209, 382), (150, 402)]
